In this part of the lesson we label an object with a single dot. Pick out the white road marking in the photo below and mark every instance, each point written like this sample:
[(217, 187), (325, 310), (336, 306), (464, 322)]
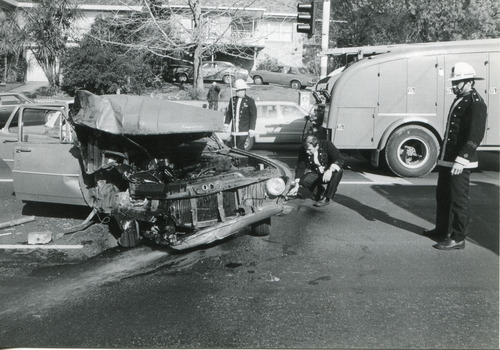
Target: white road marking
[(385, 179), (6, 180), (49, 246)]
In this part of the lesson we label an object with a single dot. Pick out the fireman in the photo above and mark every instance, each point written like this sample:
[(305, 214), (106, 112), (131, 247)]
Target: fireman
[(242, 113), (464, 131)]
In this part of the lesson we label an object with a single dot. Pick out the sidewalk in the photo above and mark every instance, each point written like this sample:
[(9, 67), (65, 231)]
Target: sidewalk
[(29, 87)]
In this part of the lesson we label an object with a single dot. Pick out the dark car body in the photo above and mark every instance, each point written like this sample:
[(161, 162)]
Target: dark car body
[(167, 179), (295, 77)]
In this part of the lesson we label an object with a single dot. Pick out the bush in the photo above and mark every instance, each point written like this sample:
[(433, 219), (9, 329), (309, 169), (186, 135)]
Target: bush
[(102, 69), (195, 94), (269, 64)]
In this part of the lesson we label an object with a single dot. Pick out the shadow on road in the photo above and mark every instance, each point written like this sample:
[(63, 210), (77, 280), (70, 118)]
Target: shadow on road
[(374, 214), (56, 210), (420, 201)]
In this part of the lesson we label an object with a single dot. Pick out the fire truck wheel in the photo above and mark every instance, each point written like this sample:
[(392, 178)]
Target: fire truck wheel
[(249, 143), (411, 151), (262, 228)]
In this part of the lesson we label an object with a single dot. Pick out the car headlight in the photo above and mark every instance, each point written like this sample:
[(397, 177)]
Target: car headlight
[(275, 186)]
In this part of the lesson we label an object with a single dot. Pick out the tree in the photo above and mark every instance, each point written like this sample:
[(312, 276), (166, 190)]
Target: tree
[(454, 20), (375, 22), (104, 69), (11, 41), (186, 31), (47, 32)]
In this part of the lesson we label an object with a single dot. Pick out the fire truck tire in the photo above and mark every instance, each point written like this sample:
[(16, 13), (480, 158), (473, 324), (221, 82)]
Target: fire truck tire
[(249, 143), (411, 151), (262, 228)]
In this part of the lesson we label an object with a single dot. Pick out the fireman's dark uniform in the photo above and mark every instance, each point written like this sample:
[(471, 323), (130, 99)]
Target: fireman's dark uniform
[(464, 132), (243, 120)]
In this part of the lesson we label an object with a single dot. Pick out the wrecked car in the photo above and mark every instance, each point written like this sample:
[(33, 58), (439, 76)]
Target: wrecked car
[(157, 167)]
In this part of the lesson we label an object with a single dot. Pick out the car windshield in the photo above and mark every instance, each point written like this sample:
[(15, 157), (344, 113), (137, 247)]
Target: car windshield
[(302, 70)]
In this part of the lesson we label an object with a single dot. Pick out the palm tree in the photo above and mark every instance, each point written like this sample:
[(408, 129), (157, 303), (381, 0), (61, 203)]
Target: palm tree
[(11, 40)]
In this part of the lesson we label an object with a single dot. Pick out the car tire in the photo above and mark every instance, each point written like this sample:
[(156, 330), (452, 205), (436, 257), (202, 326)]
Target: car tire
[(130, 235), (182, 78), (249, 143), (295, 84), (257, 80), (411, 151), (228, 79), (262, 228)]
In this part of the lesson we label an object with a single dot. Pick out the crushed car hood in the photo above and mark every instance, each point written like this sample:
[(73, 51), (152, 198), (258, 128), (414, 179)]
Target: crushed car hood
[(140, 115)]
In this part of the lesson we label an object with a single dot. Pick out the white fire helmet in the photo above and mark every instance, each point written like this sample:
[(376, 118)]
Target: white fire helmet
[(463, 71), (240, 84)]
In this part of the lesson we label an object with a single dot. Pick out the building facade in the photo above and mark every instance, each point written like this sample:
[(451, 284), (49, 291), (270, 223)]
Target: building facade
[(261, 29)]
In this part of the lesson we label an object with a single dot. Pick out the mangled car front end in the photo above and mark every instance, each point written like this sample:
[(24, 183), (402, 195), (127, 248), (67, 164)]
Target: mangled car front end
[(161, 172)]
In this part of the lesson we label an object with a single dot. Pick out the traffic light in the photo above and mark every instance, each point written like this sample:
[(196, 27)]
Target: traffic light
[(305, 19)]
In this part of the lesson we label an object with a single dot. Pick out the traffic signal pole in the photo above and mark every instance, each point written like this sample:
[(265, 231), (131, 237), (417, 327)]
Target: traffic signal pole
[(325, 29)]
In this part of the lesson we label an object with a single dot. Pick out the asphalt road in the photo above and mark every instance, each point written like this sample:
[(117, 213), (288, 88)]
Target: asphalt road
[(355, 274)]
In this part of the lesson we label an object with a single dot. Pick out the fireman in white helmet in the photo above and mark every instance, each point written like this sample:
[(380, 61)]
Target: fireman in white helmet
[(242, 114), (463, 134)]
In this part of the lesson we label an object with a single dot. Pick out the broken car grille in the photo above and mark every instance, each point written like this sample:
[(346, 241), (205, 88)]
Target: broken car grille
[(210, 209)]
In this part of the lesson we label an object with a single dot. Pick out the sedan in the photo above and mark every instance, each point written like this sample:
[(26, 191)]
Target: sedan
[(8, 102), (278, 122), (223, 71), (284, 75)]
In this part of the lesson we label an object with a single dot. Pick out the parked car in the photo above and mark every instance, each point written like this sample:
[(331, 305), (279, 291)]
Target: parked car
[(223, 71), (162, 178), (179, 72), (295, 77), (278, 122), (8, 102)]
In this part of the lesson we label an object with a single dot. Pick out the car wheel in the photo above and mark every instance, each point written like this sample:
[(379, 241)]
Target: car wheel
[(130, 233), (228, 79), (182, 78), (295, 84), (249, 143), (411, 151), (262, 228), (257, 80)]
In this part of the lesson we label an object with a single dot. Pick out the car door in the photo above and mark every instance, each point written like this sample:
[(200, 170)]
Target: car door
[(268, 123), (208, 70), (220, 69), (293, 121), (284, 77), (46, 166), (32, 120), (274, 76)]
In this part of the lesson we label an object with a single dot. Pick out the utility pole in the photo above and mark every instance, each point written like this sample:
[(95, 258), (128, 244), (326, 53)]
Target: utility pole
[(325, 29)]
